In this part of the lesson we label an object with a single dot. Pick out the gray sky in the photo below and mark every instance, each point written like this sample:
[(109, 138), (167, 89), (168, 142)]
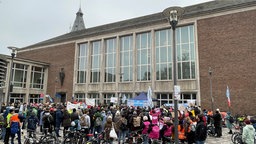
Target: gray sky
[(26, 22)]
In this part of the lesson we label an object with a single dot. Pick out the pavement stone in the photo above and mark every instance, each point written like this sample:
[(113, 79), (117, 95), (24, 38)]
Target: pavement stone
[(225, 139)]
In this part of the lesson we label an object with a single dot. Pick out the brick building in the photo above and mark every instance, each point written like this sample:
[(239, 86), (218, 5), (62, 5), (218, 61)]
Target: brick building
[(126, 57)]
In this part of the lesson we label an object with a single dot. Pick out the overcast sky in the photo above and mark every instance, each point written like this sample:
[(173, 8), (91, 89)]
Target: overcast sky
[(26, 22)]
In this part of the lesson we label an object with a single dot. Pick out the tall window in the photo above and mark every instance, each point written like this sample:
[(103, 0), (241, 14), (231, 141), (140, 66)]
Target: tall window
[(95, 96), (107, 97), (82, 63), (126, 58), (80, 97), (110, 62), (37, 77), (143, 46), (185, 52), (163, 47), (95, 70), (19, 75), (185, 98)]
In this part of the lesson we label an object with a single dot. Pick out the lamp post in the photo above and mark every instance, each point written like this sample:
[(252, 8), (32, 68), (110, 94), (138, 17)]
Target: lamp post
[(174, 14), (210, 77), (10, 85), (120, 89)]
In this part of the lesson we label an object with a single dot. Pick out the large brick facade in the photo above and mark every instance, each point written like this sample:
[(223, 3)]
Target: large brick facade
[(60, 56), (227, 44)]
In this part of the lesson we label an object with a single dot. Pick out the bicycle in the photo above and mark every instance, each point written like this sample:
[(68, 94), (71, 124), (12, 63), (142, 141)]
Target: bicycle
[(73, 137), (45, 139), (239, 131), (1, 132), (134, 137), (210, 130)]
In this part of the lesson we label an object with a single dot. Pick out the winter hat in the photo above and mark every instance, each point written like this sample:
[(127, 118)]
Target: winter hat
[(145, 118), (247, 121), (117, 112), (109, 117)]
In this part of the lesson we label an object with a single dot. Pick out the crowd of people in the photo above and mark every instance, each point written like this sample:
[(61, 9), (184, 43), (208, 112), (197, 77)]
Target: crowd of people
[(151, 124)]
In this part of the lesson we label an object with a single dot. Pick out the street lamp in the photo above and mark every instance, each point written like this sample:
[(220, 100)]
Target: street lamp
[(210, 77), (10, 85), (174, 14), (120, 89)]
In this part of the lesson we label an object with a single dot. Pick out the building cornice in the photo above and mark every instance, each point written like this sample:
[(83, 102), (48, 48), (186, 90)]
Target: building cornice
[(199, 10)]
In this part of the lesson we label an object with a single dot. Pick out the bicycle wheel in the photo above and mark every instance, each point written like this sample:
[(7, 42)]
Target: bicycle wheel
[(70, 140), (238, 139), (210, 131), (234, 135), (27, 141), (48, 139)]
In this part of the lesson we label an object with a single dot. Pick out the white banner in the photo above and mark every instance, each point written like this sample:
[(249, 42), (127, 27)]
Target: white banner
[(71, 106), (113, 99), (90, 102)]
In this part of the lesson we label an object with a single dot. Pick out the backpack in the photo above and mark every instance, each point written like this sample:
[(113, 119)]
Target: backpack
[(168, 131), (123, 126), (231, 119), (14, 127), (5, 122), (202, 134), (83, 121), (193, 127), (48, 119), (98, 121), (31, 123), (154, 134), (136, 121)]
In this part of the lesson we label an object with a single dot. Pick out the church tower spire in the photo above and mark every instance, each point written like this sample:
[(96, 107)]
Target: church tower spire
[(79, 21)]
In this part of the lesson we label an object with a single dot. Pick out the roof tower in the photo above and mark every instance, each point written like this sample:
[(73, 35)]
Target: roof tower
[(79, 21)]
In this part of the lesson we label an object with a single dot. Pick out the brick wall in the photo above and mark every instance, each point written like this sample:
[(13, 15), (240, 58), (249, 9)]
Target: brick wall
[(61, 56), (227, 44)]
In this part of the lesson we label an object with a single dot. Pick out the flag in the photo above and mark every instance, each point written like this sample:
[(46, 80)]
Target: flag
[(123, 99), (228, 96), (57, 95), (50, 98), (149, 96)]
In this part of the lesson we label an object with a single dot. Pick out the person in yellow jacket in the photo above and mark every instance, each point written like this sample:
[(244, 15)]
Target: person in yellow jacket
[(8, 129)]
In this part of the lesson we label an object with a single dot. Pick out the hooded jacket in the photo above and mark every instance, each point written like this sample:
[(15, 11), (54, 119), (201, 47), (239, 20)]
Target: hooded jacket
[(248, 134)]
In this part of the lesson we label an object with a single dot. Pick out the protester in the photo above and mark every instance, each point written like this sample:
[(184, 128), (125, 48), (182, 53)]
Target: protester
[(15, 126), (228, 122), (85, 122), (58, 121), (145, 126), (107, 128), (8, 127), (217, 123), (47, 121), (167, 130), (32, 122), (66, 123), (75, 118), (248, 135), (98, 121), (201, 131)]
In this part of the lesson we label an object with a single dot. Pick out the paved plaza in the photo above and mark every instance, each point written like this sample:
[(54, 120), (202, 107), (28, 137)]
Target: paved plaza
[(225, 139)]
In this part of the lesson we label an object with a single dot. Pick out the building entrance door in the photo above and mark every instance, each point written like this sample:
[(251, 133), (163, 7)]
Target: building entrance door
[(16, 98), (63, 97)]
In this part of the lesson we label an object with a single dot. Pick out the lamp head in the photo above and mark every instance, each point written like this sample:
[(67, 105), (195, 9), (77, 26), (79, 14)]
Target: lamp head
[(13, 50), (210, 71), (173, 14)]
